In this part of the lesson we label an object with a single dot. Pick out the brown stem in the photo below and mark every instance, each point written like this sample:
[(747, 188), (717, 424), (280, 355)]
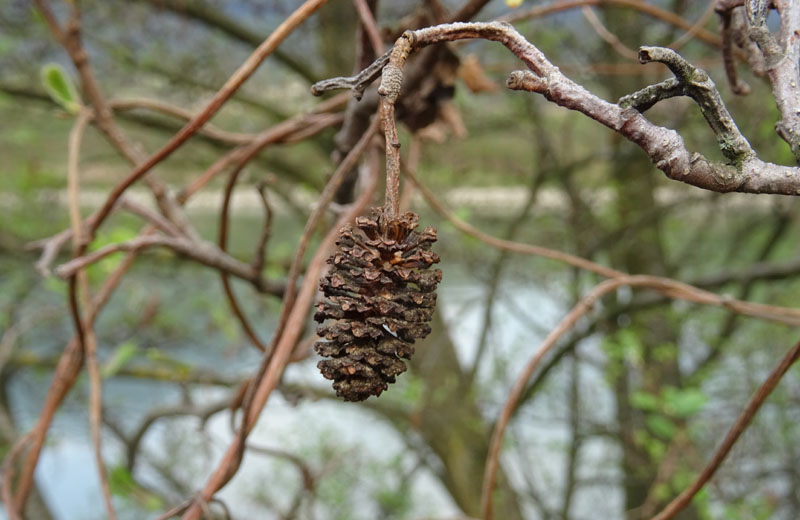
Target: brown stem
[(325, 198), (370, 26), (672, 288), (392, 205), (741, 424), (645, 8), (86, 331), (224, 277), (275, 362), (226, 91)]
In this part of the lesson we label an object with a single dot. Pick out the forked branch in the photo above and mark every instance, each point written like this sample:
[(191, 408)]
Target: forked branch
[(743, 171)]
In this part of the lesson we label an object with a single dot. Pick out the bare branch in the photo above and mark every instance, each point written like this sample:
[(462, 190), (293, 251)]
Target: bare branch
[(699, 87), (203, 252), (648, 9), (274, 363), (226, 91), (738, 86), (664, 146), (358, 83), (370, 26), (741, 424), (606, 35), (175, 111), (671, 288), (85, 333)]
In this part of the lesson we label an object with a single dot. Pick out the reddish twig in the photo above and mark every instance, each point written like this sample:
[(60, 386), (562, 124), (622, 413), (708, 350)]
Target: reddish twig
[(325, 198), (207, 129), (692, 31), (225, 92), (266, 231), (70, 39), (370, 26), (741, 424), (671, 288), (284, 132), (643, 7), (66, 372), (608, 36), (222, 242), (275, 362), (7, 474), (507, 245), (86, 332)]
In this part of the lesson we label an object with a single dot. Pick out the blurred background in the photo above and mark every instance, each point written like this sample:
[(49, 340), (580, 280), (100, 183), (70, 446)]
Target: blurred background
[(618, 420)]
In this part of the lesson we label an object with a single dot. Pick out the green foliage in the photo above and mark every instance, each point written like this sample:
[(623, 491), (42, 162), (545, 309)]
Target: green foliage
[(124, 485), (675, 402), (118, 233), (394, 502), (683, 402), (755, 508), (121, 356), (645, 401), (60, 87), (661, 426)]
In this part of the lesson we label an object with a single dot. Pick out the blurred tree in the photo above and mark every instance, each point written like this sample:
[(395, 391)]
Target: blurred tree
[(615, 423)]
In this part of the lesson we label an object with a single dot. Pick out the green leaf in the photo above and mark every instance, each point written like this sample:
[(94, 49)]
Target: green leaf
[(660, 426), (123, 353), (58, 84), (120, 481), (645, 401), (684, 402), (123, 484)]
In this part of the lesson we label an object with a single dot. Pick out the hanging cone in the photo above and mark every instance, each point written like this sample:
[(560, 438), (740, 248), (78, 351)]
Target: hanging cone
[(380, 297)]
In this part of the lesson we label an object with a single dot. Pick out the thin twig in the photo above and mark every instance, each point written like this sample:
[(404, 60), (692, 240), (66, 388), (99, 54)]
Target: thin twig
[(315, 218), (606, 35), (283, 132), (358, 83), (266, 231), (370, 26), (275, 362), (672, 288), (225, 92), (89, 340), (508, 245), (222, 242), (166, 108), (692, 31), (651, 10), (203, 252), (741, 424)]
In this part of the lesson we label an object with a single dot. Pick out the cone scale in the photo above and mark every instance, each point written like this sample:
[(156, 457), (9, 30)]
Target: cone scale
[(380, 294)]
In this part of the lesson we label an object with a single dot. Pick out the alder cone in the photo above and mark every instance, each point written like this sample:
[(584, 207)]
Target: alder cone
[(379, 298)]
